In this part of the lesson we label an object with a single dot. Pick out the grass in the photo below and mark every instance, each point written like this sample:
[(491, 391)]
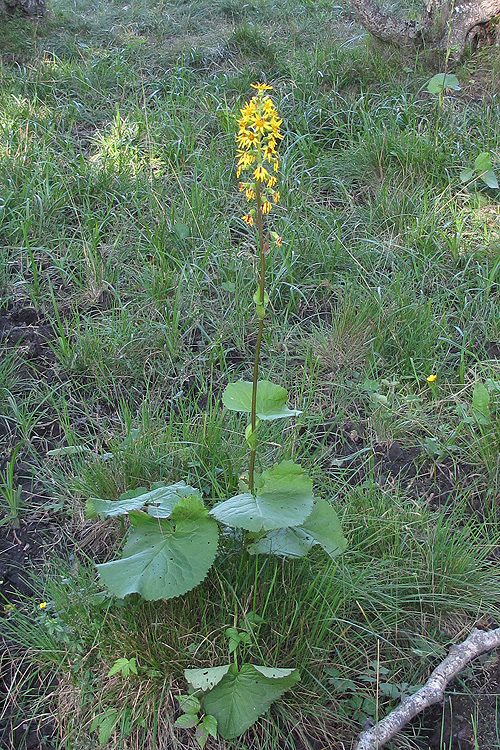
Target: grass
[(126, 276)]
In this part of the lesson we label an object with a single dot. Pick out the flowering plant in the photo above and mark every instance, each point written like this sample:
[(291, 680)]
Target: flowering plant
[(173, 540)]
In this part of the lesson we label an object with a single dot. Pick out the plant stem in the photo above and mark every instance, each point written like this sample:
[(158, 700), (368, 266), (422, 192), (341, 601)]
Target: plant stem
[(262, 284)]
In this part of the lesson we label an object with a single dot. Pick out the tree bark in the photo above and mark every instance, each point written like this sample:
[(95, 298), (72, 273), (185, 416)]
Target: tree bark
[(448, 24)]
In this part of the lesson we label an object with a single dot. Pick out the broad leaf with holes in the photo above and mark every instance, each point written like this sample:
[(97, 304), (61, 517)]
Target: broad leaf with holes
[(205, 679), (321, 527), (241, 696), (271, 399), (284, 498), (160, 500), (163, 559)]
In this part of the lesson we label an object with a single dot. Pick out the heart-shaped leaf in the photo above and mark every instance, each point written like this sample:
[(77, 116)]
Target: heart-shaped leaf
[(284, 498), (322, 527), (271, 399), (160, 559), (242, 696), (442, 81), (160, 499)]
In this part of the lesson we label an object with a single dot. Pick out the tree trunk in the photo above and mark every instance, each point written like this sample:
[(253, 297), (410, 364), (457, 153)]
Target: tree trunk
[(442, 24), (28, 7)]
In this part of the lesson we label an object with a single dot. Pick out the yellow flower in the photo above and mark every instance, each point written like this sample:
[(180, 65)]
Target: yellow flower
[(261, 86), (261, 125), (260, 173), (248, 219), (266, 207), (431, 378), (271, 181), (278, 240), (246, 138), (250, 194), (42, 605), (276, 196)]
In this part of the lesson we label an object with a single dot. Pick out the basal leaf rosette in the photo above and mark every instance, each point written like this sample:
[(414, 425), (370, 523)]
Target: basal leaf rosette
[(164, 558)]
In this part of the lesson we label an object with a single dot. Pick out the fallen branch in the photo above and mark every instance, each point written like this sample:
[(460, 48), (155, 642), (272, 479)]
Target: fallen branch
[(478, 642)]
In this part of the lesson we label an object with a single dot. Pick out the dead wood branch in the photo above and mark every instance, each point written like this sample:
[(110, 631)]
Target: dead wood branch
[(478, 642)]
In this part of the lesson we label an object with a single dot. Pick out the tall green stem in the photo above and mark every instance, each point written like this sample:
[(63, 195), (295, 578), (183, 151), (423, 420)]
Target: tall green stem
[(262, 285)]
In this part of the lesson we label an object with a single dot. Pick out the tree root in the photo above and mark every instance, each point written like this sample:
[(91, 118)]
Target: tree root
[(478, 642)]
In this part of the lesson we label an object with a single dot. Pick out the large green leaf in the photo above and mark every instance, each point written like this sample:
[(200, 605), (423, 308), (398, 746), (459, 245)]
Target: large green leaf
[(162, 559), (242, 696), (271, 399), (160, 500), (284, 498), (322, 527)]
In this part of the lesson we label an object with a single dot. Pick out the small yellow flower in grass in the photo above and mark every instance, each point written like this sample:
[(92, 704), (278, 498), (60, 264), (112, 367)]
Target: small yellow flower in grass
[(278, 241), (431, 378), (42, 605)]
